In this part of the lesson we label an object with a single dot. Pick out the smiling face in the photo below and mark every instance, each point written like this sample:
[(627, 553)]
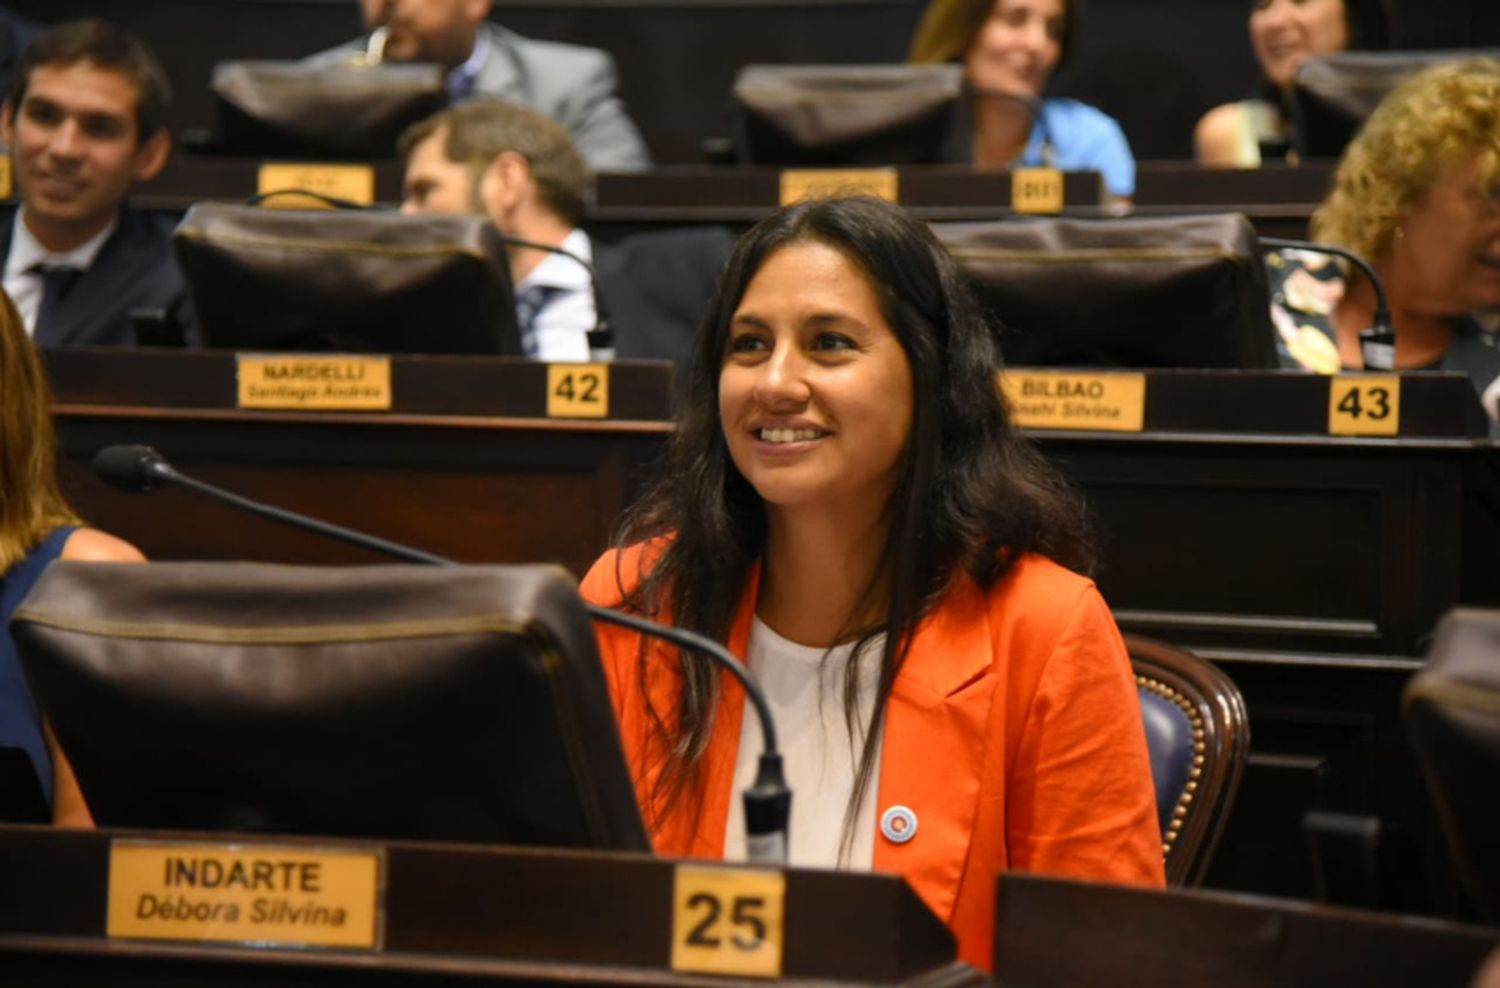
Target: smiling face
[(1284, 32), (815, 392), (77, 150), (1017, 47), (1446, 259)]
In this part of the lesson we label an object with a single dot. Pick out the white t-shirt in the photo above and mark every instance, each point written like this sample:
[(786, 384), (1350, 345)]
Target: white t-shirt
[(804, 686)]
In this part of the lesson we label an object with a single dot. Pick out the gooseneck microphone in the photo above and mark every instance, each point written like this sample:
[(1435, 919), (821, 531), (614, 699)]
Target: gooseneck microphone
[(768, 802), (1377, 344), (141, 469)]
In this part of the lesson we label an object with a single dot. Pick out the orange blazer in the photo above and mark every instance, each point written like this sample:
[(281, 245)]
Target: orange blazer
[(1013, 734)]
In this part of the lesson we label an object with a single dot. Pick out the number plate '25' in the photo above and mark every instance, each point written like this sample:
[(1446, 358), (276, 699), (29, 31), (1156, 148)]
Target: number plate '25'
[(728, 921)]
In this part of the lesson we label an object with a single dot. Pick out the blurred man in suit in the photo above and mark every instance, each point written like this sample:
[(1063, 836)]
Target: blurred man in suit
[(520, 169), (571, 84), (84, 121)]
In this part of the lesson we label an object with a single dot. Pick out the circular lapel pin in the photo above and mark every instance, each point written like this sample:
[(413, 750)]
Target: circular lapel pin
[(898, 824)]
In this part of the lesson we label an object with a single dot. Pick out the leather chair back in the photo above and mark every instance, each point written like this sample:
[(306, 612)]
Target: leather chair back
[(348, 280), (424, 702), (1198, 735), (1334, 94), (1187, 291), (292, 109), (845, 114), (1452, 708)]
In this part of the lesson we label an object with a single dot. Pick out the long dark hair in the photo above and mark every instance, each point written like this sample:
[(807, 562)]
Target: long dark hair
[(972, 496)]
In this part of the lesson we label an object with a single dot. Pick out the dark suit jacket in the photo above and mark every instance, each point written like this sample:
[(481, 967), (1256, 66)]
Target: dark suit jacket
[(133, 270), (655, 288)]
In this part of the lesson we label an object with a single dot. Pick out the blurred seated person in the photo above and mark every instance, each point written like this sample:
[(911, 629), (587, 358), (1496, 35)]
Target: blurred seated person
[(520, 169), (36, 527), (84, 121), (1417, 194), (1009, 50), (1283, 33), (15, 34), (848, 507), (571, 84)]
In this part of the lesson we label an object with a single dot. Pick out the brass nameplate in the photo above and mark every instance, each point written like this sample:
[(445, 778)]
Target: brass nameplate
[(830, 183), (1364, 405), (7, 179), (728, 921), (241, 893), (577, 391), (1036, 190), (315, 382), (1112, 402), (355, 183)]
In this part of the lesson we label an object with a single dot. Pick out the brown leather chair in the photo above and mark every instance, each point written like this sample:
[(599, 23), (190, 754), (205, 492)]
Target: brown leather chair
[(1152, 291), (1199, 738), (845, 115), (1452, 708)]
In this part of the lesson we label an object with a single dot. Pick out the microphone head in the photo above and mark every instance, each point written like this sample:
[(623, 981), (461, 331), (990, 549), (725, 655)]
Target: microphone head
[(133, 468)]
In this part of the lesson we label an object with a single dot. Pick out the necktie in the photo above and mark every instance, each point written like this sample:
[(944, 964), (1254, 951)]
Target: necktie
[(57, 282), (530, 301)]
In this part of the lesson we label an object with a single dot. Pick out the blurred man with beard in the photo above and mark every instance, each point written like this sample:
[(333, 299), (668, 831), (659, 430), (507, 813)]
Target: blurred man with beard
[(571, 84)]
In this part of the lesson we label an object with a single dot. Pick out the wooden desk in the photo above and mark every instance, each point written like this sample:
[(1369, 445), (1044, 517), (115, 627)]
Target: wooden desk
[(455, 914), (1080, 935), (1278, 199), (1311, 567), (465, 466)]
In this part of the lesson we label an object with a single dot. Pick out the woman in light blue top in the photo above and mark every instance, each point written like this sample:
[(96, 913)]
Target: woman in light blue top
[(1009, 50)]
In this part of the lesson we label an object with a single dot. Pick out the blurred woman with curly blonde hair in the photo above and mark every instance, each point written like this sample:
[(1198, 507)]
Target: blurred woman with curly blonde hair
[(1417, 193)]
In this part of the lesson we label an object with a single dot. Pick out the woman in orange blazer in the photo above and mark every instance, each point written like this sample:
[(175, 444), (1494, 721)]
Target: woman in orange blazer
[(847, 506)]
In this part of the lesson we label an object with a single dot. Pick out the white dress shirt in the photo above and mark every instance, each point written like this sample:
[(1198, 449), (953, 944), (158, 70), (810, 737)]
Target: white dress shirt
[(23, 283), (560, 328)]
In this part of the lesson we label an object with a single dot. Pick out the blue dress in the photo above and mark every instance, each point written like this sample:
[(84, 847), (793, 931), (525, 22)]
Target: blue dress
[(20, 718), (1067, 135)]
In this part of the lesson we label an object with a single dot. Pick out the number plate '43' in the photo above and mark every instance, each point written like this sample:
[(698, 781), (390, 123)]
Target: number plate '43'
[(1364, 405)]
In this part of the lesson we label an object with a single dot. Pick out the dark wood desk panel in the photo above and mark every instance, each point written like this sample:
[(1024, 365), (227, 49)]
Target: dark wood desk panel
[(465, 466), (1080, 935), (460, 914), (1327, 546), (1278, 199), (487, 491)]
